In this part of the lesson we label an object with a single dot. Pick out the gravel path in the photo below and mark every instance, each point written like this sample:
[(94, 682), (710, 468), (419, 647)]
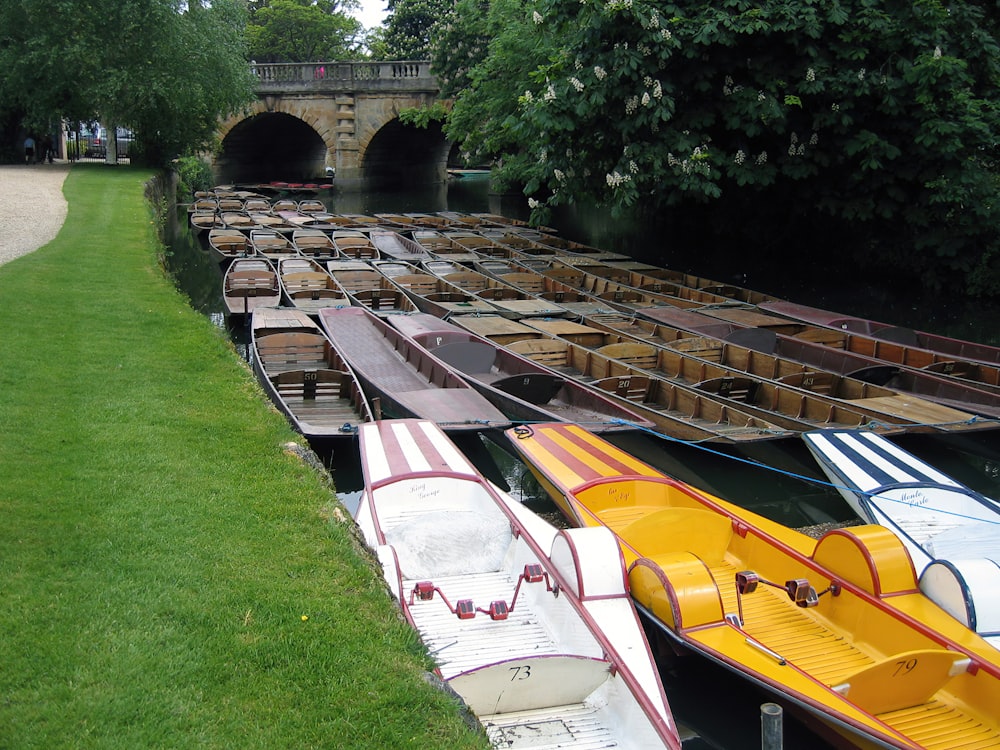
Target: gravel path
[(32, 207)]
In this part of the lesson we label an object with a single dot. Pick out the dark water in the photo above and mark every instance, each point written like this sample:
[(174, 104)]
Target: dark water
[(778, 480)]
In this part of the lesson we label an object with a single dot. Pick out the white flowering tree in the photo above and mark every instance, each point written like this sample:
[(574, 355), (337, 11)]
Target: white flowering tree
[(883, 115)]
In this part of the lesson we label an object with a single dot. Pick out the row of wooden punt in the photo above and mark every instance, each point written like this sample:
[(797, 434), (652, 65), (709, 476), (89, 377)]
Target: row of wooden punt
[(682, 338)]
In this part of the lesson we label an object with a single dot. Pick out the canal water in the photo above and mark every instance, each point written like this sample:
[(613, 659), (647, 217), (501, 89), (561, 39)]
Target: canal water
[(778, 479)]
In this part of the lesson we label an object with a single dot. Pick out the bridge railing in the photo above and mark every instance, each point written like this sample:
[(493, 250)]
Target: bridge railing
[(332, 76)]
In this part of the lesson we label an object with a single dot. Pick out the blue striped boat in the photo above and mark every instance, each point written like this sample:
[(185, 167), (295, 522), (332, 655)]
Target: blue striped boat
[(951, 531)]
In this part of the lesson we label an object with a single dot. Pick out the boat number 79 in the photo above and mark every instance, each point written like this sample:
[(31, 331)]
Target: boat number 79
[(520, 673), (904, 667)]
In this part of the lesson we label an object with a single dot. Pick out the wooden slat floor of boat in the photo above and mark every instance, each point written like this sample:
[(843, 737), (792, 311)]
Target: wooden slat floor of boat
[(936, 726), (460, 645), (328, 408), (578, 726), (803, 640)]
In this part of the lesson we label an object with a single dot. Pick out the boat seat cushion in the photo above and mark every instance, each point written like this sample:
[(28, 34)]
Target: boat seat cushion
[(450, 542)]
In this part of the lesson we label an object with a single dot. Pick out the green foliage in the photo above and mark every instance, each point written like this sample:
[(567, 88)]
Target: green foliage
[(303, 31), (409, 25), (884, 116), (421, 117), (193, 174), (169, 74)]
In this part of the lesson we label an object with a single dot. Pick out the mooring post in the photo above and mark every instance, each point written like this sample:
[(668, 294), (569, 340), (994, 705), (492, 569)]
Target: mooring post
[(770, 726)]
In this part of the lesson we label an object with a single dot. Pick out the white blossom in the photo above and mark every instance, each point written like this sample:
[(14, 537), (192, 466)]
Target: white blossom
[(666, 35), (532, 203), (810, 75), (615, 179), (814, 139), (657, 90), (937, 53), (861, 74), (633, 167), (550, 93), (740, 157), (645, 99), (835, 107), (761, 96), (528, 96), (631, 105), (559, 175), (576, 83), (762, 158), (599, 72)]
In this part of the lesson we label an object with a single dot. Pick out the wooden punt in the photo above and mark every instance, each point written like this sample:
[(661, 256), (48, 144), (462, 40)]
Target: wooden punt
[(370, 289), (951, 532), (304, 376), (644, 282), (284, 204), (354, 244), (274, 222), (204, 204), (406, 382), (701, 283), (239, 220), (817, 348), (394, 245), (399, 220), (508, 300), (271, 244), (443, 248), (981, 377), (307, 286), (312, 206), (678, 411), (786, 393), (258, 204), (463, 220), (250, 283), (546, 287), (432, 294), (315, 244), (227, 244), (563, 246), (498, 594), (509, 221), (202, 221), (430, 221), (519, 387), (476, 243), (921, 349), (837, 626), (519, 242)]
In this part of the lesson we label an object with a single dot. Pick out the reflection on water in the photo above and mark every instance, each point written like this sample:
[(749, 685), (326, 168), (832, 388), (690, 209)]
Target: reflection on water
[(777, 479)]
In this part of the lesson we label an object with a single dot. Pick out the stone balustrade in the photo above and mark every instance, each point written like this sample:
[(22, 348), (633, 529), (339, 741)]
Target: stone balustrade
[(398, 75)]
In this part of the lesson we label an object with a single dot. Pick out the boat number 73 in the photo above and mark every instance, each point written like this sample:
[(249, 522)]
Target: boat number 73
[(904, 667), (520, 673)]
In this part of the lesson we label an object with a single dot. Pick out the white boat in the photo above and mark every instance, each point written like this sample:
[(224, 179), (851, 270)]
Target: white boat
[(951, 532), (531, 625)]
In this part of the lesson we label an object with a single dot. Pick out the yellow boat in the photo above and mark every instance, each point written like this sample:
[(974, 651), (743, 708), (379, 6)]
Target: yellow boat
[(837, 626)]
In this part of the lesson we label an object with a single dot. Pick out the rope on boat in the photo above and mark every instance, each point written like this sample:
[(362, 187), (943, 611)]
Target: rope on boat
[(793, 475)]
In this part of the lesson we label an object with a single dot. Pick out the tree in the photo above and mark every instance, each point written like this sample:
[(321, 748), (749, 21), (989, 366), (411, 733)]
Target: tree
[(304, 31), (169, 71), (408, 28), (880, 117)]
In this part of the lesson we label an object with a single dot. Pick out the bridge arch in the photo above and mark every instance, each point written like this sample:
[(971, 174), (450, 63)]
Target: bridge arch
[(313, 116)]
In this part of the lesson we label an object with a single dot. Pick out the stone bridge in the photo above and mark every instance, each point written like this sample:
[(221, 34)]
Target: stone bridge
[(310, 117)]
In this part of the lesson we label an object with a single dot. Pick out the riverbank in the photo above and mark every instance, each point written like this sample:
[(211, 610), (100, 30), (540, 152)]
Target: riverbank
[(173, 575)]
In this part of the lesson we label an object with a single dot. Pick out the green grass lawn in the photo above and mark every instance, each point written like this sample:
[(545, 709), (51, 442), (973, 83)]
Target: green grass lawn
[(160, 551)]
